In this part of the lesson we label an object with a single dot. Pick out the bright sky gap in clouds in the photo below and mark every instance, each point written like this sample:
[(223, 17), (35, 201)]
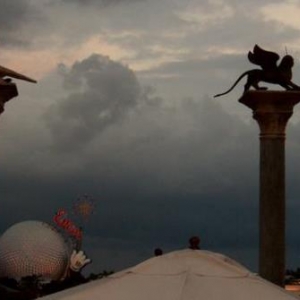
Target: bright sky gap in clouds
[(123, 111)]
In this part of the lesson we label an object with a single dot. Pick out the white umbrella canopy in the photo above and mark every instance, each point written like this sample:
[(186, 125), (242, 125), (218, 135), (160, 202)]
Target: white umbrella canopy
[(180, 275)]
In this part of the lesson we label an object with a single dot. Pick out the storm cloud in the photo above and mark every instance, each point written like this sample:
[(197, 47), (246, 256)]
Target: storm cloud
[(101, 93), (100, 2), (170, 169), (128, 117), (14, 19)]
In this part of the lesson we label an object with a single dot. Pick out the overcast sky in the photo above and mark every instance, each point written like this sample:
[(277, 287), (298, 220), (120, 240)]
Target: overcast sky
[(123, 111)]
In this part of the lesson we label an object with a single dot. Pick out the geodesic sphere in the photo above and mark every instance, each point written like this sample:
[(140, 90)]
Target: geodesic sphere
[(33, 248)]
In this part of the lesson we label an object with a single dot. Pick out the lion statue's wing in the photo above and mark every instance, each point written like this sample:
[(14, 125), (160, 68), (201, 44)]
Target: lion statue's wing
[(266, 59), (5, 72)]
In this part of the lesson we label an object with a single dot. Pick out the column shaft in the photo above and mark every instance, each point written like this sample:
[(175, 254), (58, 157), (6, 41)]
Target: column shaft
[(272, 209), (272, 110)]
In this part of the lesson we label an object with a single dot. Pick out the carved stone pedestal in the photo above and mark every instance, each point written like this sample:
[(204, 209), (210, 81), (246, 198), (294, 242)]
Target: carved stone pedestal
[(7, 92), (272, 110)]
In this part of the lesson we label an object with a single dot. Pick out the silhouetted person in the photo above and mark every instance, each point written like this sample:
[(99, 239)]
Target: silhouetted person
[(158, 252), (194, 243)]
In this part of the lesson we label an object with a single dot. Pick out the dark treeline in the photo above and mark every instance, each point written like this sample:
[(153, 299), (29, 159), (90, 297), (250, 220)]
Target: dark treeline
[(292, 276), (32, 287)]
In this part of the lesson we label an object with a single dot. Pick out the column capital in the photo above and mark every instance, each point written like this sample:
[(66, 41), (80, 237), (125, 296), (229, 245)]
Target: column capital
[(272, 110), (7, 92)]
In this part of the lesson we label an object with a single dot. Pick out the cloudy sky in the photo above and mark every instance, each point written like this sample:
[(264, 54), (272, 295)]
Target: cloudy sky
[(123, 111)]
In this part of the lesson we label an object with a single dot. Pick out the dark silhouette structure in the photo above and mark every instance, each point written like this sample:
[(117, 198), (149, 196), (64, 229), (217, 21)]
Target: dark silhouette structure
[(158, 252), (270, 72), (194, 242), (8, 89)]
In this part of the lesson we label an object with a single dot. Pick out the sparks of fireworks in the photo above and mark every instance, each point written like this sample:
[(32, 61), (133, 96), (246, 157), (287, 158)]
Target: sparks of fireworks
[(84, 206)]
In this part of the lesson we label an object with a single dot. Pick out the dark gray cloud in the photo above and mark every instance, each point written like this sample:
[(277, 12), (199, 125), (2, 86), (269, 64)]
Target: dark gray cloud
[(14, 18), (100, 2), (161, 170), (190, 78), (238, 29), (101, 92), (176, 171), (13, 13), (162, 174)]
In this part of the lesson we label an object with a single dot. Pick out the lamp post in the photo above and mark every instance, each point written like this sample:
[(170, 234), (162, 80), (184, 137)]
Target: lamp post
[(272, 110)]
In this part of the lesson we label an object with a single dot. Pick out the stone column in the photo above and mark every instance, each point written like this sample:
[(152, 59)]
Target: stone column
[(272, 110)]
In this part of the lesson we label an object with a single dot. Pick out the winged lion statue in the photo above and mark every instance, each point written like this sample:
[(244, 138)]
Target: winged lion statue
[(5, 72), (270, 72)]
